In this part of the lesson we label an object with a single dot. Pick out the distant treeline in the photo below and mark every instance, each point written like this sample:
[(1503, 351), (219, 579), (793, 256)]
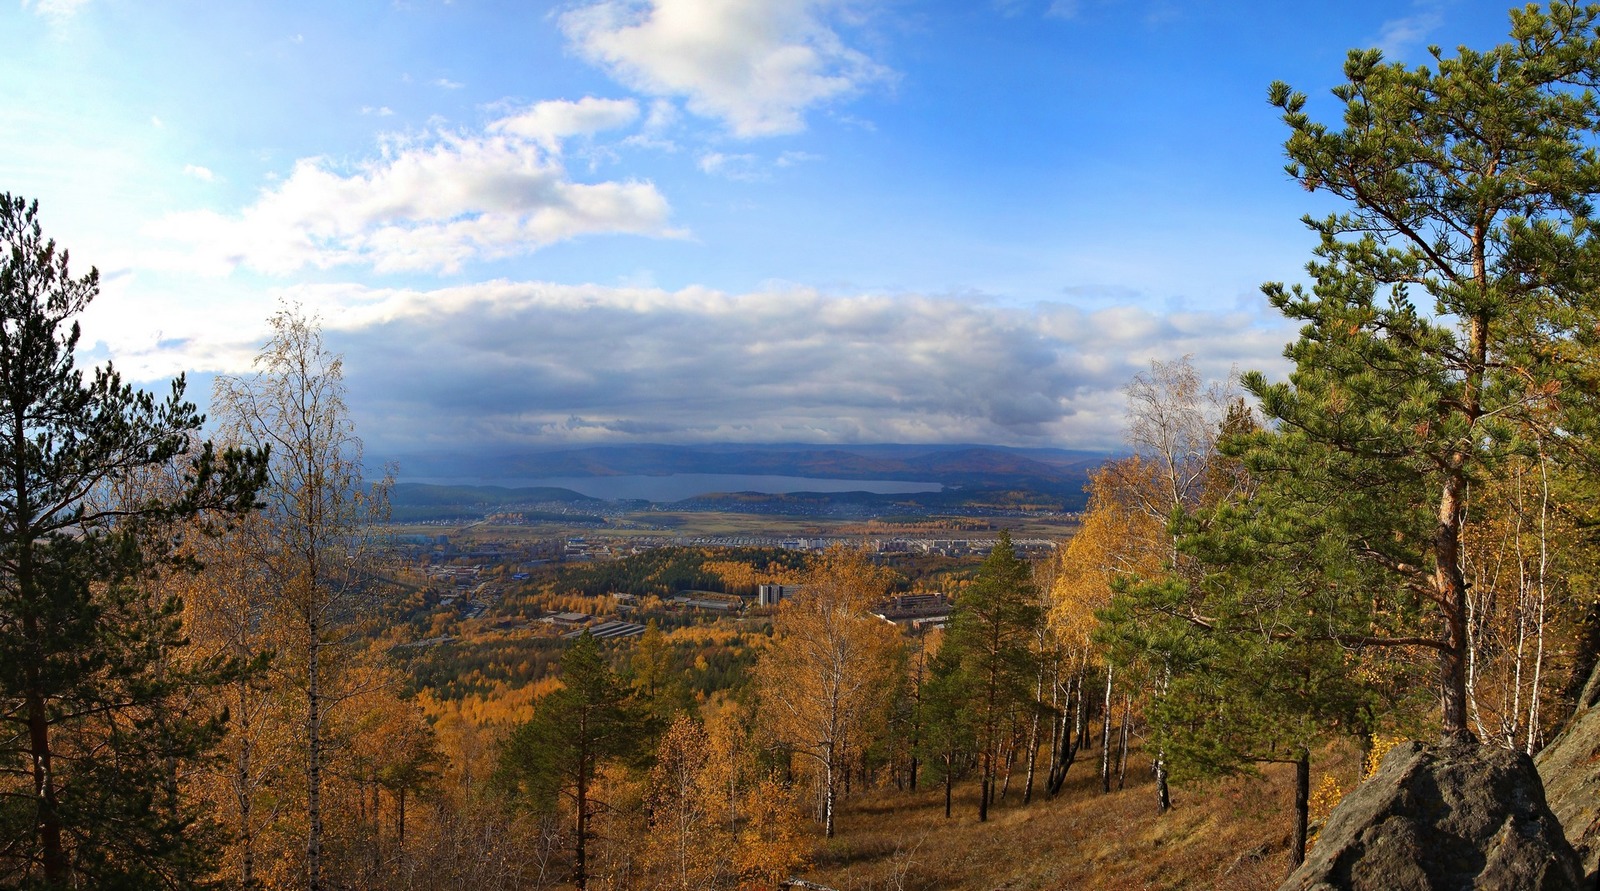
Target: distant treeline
[(666, 571)]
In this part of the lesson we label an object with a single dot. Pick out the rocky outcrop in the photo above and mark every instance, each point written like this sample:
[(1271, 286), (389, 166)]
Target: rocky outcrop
[(1442, 818), (1570, 768)]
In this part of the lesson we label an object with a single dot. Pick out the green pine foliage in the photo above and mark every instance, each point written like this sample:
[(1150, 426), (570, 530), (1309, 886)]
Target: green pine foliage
[(990, 639), (1451, 308), (90, 687), (557, 754), (948, 737)]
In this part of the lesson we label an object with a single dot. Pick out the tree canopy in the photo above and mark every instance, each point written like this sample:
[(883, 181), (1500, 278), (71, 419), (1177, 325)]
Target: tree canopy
[(97, 481), (1450, 320)]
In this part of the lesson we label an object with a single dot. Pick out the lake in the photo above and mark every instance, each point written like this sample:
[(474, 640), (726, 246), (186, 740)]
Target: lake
[(677, 487)]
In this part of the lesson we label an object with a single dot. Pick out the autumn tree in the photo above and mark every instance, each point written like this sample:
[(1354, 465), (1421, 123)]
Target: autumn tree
[(1529, 560), (1174, 422), (310, 545), (1117, 540), (227, 604), (90, 748), (829, 676), (685, 835), (651, 674)]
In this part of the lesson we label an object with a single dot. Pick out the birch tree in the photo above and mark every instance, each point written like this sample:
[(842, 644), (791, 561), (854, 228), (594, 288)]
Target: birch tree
[(313, 535), (831, 669)]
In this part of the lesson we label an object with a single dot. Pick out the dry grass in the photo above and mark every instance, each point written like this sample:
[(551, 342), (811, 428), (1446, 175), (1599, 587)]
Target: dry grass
[(1232, 835)]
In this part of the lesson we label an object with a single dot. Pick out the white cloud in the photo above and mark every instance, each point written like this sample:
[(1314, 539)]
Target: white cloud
[(429, 203), (757, 65), (204, 174), (448, 84), (381, 111), (1397, 36), (57, 11), (1062, 9), (547, 123), (740, 166), (663, 114)]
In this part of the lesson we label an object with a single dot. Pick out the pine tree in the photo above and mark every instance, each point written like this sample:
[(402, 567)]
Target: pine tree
[(990, 634), (1453, 302), (89, 747), (558, 753), (948, 738)]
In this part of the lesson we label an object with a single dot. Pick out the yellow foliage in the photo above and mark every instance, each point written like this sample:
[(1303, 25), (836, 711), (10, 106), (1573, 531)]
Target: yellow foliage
[(1380, 747), (1116, 538), (827, 681), (1323, 800), (742, 577)]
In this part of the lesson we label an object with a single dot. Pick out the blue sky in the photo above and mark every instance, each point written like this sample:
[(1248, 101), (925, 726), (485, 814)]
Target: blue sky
[(533, 224)]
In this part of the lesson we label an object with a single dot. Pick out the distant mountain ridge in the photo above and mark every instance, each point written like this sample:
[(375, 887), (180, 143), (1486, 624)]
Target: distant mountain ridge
[(968, 474)]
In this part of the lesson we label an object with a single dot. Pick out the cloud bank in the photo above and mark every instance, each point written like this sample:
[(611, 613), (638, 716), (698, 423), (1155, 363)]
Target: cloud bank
[(507, 364)]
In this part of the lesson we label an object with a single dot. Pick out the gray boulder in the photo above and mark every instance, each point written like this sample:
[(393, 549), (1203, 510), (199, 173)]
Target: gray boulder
[(1450, 817), (1570, 768)]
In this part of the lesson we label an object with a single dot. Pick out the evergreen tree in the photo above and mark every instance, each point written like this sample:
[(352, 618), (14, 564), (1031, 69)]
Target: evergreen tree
[(89, 746), (947, 740), (1467, 187), (1252, 680), (990, 634), (558, 752)]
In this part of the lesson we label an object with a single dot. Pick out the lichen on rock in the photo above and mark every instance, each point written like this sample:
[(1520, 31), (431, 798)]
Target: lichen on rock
[(1457, 815)]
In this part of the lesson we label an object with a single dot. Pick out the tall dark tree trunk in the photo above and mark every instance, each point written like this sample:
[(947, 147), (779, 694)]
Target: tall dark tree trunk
[(47, 810), (1452, 587), (580, 858), (984, 788), (949, 782), (1302, 808), (313, 760), (1123, 729), (1071, 735), (400, 825), (1163, 792)]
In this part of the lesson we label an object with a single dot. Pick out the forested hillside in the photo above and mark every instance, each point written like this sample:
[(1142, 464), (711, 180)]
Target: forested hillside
[(223, 665)]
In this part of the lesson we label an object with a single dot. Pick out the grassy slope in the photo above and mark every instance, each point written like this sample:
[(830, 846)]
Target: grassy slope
[(1233, 835)]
